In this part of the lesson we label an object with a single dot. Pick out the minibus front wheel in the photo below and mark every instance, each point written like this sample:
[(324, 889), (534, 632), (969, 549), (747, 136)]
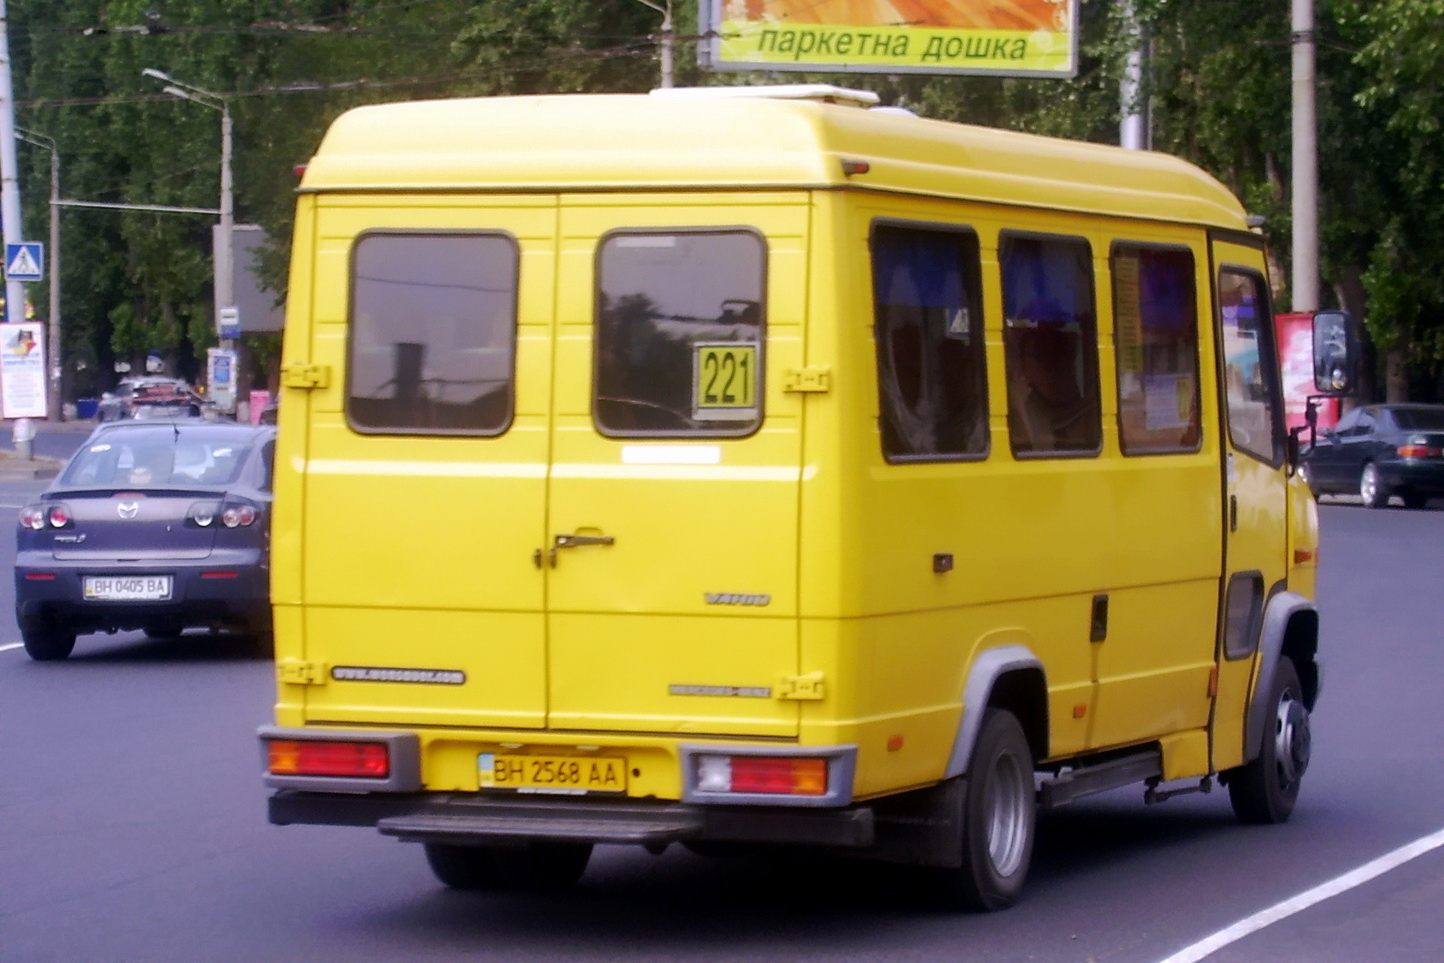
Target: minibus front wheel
[(999, 816)]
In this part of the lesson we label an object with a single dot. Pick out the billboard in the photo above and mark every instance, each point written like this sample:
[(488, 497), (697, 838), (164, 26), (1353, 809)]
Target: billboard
[(1016, 38)]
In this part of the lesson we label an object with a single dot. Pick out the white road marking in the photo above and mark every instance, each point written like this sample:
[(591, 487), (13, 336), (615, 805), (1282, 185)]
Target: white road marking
[(12, 645), (1301, 902)]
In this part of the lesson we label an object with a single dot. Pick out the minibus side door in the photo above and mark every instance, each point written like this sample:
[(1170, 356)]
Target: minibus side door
[(1254, 481)]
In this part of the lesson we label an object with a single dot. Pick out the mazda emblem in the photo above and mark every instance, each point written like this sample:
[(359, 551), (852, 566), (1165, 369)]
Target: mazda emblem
[(128, 509)]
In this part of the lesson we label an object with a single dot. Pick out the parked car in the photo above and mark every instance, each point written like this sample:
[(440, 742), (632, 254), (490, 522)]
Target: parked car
[(150, 398), (1379, 451), (158, 526)]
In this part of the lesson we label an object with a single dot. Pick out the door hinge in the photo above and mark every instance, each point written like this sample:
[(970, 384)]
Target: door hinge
[(812, 379), (303, 375), (300, 672), (801, 688)]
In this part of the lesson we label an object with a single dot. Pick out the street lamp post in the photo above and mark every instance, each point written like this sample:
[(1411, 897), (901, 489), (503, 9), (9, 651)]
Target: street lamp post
[(665, 9), (225, 249), (53, 349)]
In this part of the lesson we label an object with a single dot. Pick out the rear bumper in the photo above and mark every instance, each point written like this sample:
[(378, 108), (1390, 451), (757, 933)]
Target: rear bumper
[(1424, 476), (477, 819), (230, 588)]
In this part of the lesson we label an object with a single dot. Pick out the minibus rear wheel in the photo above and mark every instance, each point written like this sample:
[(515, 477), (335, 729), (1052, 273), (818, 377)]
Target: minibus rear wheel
[(463, 867), (999, 816), (542, 867)]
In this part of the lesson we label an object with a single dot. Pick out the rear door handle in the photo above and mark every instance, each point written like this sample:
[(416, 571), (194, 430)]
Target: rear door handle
[(572, 540)]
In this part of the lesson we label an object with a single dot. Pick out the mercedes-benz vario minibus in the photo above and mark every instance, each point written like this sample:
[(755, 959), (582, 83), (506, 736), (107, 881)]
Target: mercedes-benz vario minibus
[(755, 468)]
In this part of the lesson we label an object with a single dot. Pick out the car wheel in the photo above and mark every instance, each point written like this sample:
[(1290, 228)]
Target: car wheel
[(1265, 790), (463, 867), (999, 816), (48, 643), (1371, 487)]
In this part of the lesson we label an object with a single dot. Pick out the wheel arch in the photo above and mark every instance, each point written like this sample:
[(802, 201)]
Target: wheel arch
[(1290, 628), (1010, 677)]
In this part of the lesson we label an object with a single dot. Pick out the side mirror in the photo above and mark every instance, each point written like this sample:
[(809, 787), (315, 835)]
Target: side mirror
[(1337, 348)]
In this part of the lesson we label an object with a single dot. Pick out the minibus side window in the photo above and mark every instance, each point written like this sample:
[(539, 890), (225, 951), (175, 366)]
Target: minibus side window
[(1156, 326), (1250, 366), (1050, 345), (679, 333), (928, 320), (432, 339)]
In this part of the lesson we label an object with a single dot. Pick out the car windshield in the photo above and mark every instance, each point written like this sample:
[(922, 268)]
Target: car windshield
[(164, 456), (1420, 419)]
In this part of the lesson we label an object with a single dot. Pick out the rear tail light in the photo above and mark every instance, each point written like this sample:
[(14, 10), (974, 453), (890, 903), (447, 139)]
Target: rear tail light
[(54, 515), (237, 515), (232, 514), (779, 775), (293, 757), (1412, 450)]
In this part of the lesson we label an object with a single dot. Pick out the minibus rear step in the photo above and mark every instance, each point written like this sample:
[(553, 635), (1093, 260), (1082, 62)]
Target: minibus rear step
[(465, 819), (1088, 778)]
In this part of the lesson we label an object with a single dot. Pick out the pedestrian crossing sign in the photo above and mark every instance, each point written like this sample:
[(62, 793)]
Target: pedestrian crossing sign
[(25, 261)]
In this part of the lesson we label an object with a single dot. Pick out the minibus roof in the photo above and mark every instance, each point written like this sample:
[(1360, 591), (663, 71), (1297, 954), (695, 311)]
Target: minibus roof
[(623, 142)]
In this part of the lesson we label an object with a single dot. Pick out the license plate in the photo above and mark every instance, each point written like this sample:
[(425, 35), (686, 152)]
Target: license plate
[(565, 775), (127, 588)]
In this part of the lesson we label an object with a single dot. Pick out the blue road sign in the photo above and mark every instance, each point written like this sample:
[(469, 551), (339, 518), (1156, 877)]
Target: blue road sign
[(25, 261)]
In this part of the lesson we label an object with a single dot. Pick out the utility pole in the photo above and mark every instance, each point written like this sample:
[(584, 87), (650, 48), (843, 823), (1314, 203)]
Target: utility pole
[(1133, 130), (52, 339), (23, 431), (1305, 282)]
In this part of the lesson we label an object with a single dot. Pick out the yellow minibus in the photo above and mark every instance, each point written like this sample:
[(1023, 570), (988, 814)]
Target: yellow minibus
[(754, 467)]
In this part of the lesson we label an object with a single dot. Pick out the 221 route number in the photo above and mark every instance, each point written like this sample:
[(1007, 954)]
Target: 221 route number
[(724, 381)]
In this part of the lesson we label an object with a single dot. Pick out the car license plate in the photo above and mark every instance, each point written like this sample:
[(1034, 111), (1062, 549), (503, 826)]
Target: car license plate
[(567, 775), (127, 588)]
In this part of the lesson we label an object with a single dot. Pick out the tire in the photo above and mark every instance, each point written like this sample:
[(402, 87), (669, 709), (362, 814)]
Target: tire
[(1413, 499), (463, 867), (49, 643), (543, 867), (1371, 487), (1265, 790), (999, 819)]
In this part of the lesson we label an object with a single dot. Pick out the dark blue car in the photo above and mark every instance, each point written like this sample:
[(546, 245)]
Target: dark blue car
[(1379, 451), (153, 525)]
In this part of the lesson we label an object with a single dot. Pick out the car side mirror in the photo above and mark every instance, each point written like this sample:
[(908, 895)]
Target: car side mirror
[(1337, 347)]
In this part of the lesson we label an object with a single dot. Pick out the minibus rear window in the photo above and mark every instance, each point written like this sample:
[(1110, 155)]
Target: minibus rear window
[(928, 319), (432, 339), (679, 333)]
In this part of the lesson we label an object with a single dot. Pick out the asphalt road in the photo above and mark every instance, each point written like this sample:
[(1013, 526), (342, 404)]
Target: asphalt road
[(132, 828)]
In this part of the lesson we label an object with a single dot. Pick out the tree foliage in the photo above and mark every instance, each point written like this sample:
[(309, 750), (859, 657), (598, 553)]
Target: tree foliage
[(1218, 78)]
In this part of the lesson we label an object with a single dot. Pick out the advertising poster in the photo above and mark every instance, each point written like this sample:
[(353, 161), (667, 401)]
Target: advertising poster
[(1016, 38), (22, 369)]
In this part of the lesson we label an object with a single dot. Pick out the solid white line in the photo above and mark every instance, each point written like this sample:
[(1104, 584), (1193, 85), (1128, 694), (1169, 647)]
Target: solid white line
[(1303, 901), (12, 645)]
